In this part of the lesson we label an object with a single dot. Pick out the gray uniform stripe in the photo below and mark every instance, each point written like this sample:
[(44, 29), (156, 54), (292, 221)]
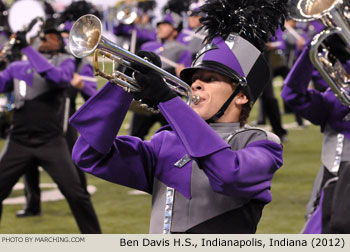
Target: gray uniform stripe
[(335, 149)]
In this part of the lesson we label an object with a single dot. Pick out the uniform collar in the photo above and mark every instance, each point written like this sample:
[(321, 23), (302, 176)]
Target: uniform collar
[(225, 127)]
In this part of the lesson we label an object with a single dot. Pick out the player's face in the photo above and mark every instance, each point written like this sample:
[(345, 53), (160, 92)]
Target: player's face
[(51, 43), (193, 21), (213, 89), (164, 31)]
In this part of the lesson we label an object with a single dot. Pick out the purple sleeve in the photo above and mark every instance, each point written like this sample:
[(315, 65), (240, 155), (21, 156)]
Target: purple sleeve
[(318, 79), (61, 75), (246, 172), (124, 160), (106, 109), (146, 34), (317, 25), (309, 103), (90, 87), (6, 79), (185, 58), (128, 162)]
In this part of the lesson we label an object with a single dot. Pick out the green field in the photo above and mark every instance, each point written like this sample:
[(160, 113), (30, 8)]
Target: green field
[(120, 212)]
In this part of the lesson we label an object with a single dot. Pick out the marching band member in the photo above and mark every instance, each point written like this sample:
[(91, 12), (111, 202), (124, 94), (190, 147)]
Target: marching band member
[(86, 87), (207, 171), (288, 45), (330, 207), (167, 46), (83, 82), (36, 136), (169, 49), (189, 35), (4, 60)]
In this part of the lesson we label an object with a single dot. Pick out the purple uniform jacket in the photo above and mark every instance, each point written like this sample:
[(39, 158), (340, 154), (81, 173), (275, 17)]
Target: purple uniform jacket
[(319, 108), (182, 38), (131, 162), (21, 70)]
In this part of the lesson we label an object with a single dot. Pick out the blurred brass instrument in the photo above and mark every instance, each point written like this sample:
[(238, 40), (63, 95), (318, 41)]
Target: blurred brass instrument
[(20, 19), (85, 38), (127, 13), (6, 51), (334, 14)]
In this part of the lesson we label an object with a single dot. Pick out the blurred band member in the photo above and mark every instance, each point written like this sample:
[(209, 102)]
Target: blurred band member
[(167, 46), (329, 202), (189, 35), (83, 82), (36, 138), (170, 49)]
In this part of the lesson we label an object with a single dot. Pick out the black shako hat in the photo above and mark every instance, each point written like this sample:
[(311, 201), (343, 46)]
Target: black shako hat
[(237, 33)]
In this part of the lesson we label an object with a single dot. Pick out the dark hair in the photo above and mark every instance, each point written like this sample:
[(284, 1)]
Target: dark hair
[(147, 5), (246, 108), (77, 9), (245, 112), (177, 6)]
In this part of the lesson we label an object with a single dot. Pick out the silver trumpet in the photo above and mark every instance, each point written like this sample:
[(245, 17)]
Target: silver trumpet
[(86, 38), (334, 14)]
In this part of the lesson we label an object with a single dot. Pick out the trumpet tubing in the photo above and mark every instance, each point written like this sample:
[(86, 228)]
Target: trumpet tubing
[(86, 38)]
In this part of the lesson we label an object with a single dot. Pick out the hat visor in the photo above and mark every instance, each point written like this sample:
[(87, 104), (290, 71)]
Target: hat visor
[(187, 73), (164, 22)]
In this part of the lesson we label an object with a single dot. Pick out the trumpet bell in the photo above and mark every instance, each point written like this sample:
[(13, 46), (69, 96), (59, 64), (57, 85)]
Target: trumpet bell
[(85, 36)]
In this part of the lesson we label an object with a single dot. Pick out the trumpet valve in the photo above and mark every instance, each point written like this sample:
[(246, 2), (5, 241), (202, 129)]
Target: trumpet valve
[(127, 89)]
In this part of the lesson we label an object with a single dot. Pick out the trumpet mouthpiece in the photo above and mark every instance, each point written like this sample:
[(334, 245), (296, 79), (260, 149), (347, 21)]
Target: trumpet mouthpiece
[(195, 99)]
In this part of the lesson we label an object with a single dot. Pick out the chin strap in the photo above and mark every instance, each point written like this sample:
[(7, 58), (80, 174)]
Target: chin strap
[(222, 110)]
